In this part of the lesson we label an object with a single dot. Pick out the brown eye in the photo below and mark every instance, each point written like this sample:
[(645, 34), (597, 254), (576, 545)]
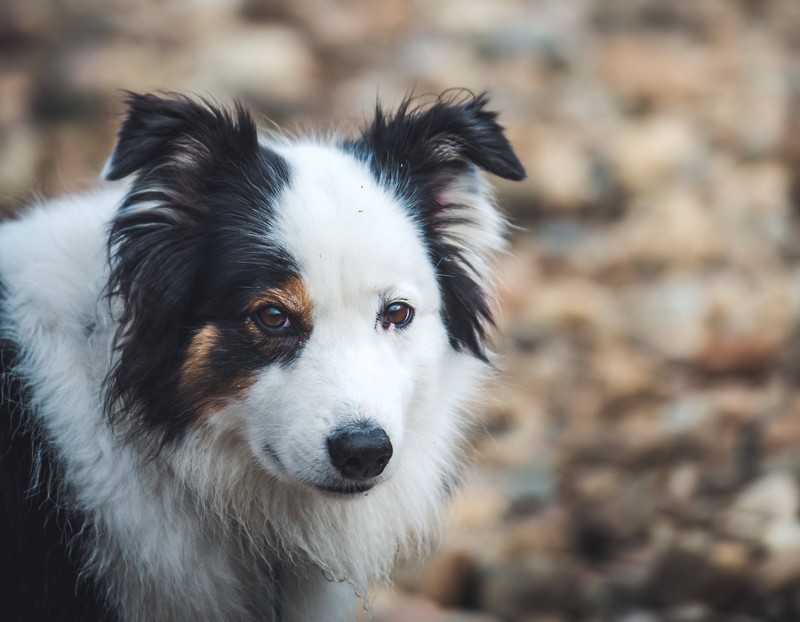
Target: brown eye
[(397, 314), (272, 319)]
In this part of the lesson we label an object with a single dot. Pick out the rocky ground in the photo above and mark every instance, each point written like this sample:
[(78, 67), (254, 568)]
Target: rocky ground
[(639, 458)]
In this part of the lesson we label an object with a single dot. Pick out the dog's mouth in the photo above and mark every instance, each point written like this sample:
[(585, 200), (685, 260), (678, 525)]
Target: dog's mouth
[(345, 489)]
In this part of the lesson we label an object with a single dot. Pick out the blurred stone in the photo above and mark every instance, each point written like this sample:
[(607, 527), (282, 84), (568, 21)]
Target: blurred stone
[(517, 275), (515, 589), (638, 616), (338, 25), (669, 315), (561, 170), (683, 482), (19, 160), (783, 434), (689, 414), (545, 531), (751, 205), (608, 510), (763, 105), (23, 22), (766, 512), (466, 616), (657, 150), (104, 69), (683, 577), (271, 64), (15, 98), (477, 505), (623, 371), (513, 446), (733, 557), (442, 63), (691, 612), (451, 579), (414, 609), (781, 567), (748, 323), (528, 486), (353, 99), (773, 499), (725, 323), (574, 303), (671, 229), (469, 17), (653, 69)]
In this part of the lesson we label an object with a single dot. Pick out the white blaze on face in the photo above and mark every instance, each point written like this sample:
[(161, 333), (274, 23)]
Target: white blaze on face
[(357, 251)]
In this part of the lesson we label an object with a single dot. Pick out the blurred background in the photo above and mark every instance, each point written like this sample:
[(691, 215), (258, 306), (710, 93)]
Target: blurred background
[(639, 459)]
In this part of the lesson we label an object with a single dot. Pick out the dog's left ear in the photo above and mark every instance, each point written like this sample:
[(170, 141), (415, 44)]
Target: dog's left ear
[(430, 157), (447, 135)]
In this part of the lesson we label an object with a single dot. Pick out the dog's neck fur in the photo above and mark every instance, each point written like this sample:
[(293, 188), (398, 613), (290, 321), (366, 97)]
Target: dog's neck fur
[(195, 534)]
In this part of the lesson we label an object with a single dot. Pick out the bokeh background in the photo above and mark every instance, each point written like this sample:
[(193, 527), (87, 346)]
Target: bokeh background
[(639, 459)]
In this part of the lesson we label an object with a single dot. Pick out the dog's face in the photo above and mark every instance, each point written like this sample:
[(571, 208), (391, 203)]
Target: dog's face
[(365, 305), (310, 298)]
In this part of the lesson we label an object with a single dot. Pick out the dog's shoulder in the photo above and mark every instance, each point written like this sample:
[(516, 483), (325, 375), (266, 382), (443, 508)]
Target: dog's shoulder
[(53, 250)]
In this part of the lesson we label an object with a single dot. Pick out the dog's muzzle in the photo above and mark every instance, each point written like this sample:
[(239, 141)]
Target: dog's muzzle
[(360, 451)]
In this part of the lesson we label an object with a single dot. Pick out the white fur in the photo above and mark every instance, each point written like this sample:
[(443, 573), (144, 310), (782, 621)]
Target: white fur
[(189, 535)]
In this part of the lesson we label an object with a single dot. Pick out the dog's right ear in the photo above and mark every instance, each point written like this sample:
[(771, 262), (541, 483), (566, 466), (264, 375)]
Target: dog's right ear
[(160, 129)]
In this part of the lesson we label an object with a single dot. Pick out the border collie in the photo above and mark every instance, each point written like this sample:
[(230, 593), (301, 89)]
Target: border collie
[(232, 386)]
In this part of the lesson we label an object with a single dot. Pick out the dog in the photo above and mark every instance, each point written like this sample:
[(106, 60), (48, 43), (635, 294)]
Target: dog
[(234, 376)]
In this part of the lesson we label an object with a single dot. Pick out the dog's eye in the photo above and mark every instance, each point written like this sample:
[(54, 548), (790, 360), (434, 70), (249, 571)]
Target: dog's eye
[(272, 319), (397, 314)]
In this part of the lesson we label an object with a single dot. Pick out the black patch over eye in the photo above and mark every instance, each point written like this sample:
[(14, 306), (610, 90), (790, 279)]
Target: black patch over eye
[(397, 314), (272, 320)]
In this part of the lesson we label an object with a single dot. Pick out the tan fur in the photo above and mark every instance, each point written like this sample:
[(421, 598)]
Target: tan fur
[(197, 378)]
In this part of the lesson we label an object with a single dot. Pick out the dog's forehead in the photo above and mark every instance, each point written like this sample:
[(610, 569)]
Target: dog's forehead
[(346, 231)]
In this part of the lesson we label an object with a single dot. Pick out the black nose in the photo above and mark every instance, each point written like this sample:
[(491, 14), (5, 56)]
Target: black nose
[(360, 451)]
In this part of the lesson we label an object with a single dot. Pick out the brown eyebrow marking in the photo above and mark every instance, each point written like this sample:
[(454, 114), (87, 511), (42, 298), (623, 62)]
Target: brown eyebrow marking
[(197, 379), (197, 367), (291, 296)]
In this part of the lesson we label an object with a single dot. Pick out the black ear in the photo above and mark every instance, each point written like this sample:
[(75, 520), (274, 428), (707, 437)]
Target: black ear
[(428, 156), (444, 136), (157, 129)]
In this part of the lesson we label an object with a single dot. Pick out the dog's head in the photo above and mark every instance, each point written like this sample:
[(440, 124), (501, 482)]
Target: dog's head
[(315, 299)]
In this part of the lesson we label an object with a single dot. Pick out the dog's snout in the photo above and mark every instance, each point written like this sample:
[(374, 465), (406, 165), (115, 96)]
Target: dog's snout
[(360, 452)]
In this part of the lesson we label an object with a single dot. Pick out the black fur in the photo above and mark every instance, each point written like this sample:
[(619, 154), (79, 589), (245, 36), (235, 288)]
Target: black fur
[(186, 248), (418, 152), (41, 542)]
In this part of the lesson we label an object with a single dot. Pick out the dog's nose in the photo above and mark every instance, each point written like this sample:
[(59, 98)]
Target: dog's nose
[(360, 452)]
